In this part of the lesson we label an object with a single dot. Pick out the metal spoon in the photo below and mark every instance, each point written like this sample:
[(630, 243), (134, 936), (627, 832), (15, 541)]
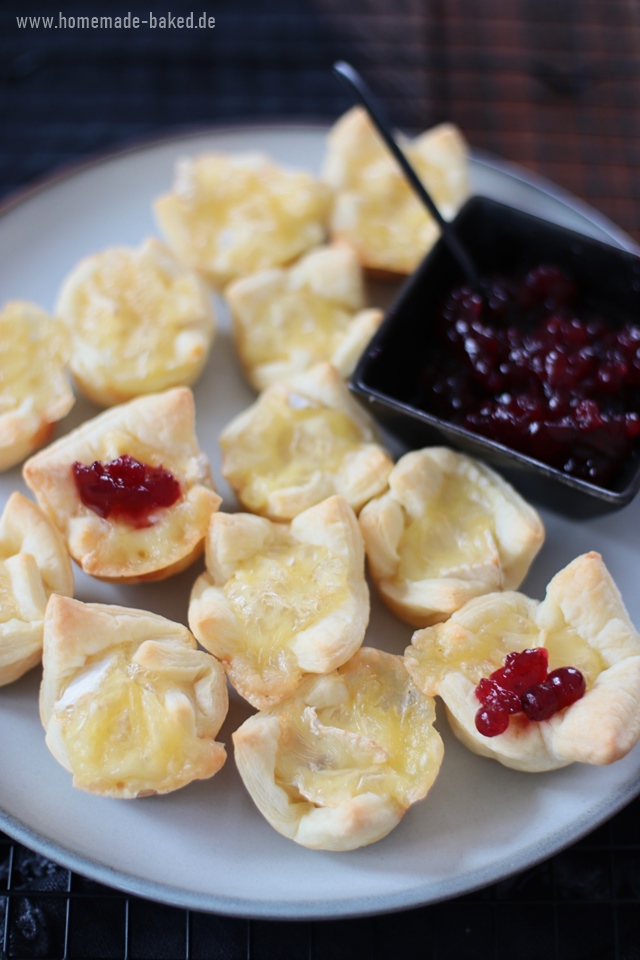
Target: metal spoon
[(356, 84)]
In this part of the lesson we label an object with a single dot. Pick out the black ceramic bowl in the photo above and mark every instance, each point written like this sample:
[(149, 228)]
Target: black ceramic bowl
[(507, 241)]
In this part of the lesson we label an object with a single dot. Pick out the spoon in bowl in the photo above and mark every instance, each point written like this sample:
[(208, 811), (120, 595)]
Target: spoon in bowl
[(350, 76)]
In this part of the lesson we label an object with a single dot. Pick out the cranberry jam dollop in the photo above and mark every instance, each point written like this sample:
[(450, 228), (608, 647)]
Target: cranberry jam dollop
[(125, 489), (525, 364), (522, 685)]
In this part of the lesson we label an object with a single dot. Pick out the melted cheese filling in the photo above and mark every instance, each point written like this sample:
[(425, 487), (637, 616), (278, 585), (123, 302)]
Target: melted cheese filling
[(296, 320), (511, 631), (31, 351), (568, 649), (122, 545), (278, 595), (454, 534), (122, 723), (373, 741), (242, 219), (140, 319), (503, 628), (288, 441)]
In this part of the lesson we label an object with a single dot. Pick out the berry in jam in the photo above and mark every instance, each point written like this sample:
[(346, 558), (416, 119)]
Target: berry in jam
[(125, 489), (527, 365), (569, 685), (522, 685), (491, 721), (540, 702), (522, 670)]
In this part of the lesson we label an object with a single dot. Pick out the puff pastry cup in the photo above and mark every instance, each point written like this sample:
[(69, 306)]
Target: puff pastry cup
[(583, 623), (286, 320), (130, 706), (336, 765), (448, 529), (35, 393), (230, 215), (34, 563), (301, 442), (157, 430), (279, 600), (375, 210), (139, 322)]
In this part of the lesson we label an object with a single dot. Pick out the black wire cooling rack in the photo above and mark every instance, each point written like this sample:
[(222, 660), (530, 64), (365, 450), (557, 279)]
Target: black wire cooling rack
[(583, 904)]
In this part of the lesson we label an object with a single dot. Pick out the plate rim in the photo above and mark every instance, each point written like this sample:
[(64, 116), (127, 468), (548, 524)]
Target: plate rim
[(277, 909), (308, 909), (136, 144)]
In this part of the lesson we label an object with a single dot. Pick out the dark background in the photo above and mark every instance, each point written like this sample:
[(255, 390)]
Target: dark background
[(551, 84)]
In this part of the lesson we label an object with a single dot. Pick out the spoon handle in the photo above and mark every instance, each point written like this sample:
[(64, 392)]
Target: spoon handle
[(357, 85)]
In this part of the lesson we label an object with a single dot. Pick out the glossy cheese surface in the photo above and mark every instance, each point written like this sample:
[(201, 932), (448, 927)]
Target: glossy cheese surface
[(232, 215), (121, 722), (280, 593), (371, 738), (456, 527), (138, 322), (130, 706), (279, 600), (34, 390), (289, 439), (336, 765)]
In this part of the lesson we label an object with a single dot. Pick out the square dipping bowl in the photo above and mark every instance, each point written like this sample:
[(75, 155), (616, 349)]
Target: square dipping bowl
[(500, 240)]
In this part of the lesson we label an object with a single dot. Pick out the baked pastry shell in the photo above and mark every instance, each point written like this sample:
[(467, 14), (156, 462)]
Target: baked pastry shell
[(302, 203), (108, 379), (415, 482), (162, 426), (30, 424), (78, 633), (360, 476), (600, 728), (371, 194), (258, 304), (319, 647), (355, 822), (38, 564)]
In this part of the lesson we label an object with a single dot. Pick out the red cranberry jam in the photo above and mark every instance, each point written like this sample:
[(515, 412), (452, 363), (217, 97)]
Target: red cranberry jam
[(526, 365), (522, 685), (125, 489)]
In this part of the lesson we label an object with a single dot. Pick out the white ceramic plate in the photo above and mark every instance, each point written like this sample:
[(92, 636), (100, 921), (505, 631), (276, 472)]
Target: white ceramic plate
[(206, 847)]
